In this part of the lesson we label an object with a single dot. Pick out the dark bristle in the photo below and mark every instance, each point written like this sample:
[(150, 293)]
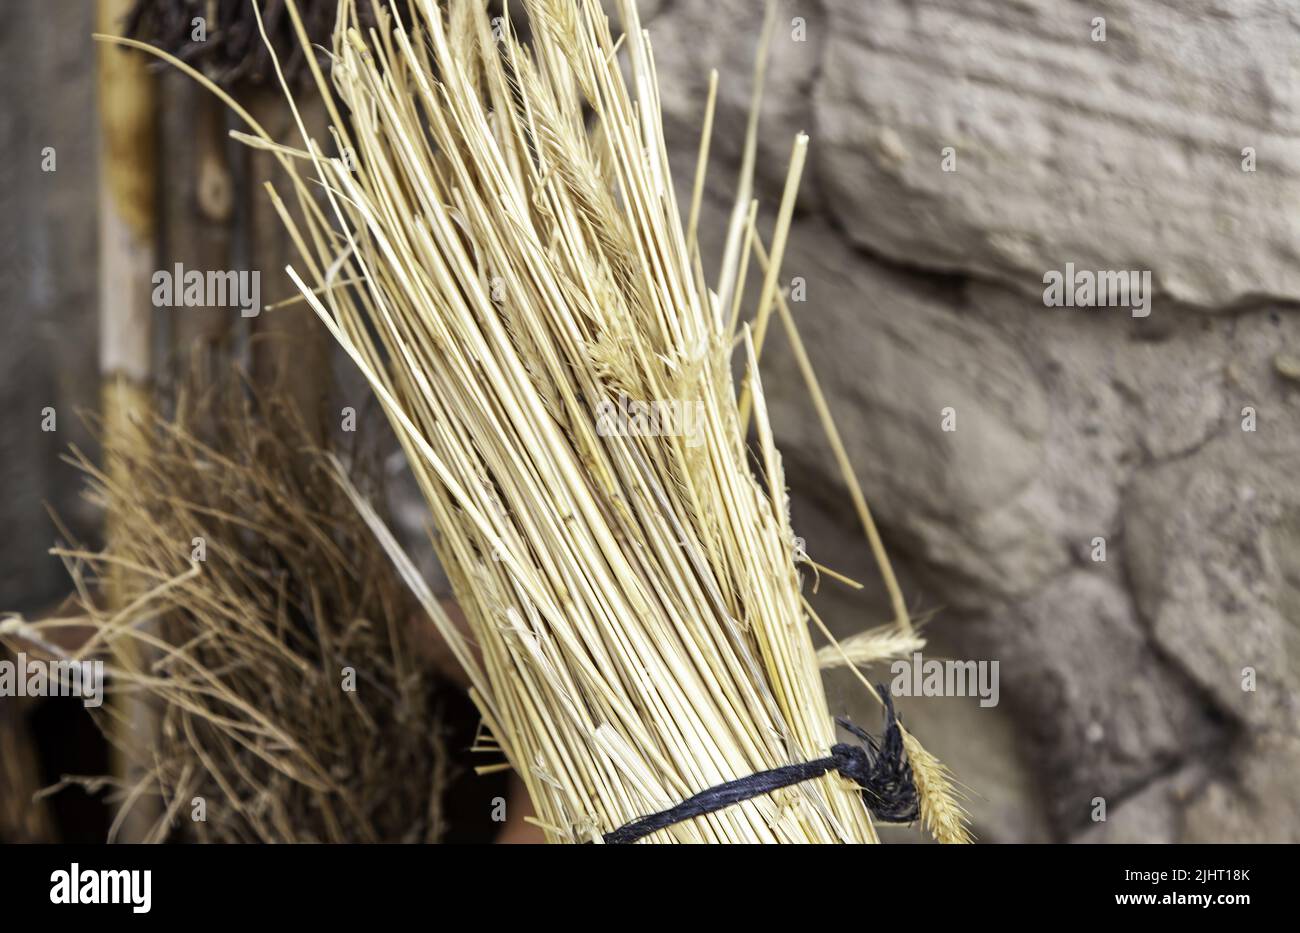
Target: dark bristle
[(233, 52)]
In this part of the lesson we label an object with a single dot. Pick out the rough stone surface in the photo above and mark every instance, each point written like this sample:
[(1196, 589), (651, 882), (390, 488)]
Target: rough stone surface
[(1213, 548), (692, 38), (967, 499), (1257, 802), (1113, 726), (1153, 815), (1122, 154)]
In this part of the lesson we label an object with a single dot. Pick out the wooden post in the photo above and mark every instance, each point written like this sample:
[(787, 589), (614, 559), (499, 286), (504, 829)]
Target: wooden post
[(197, 214), (127, 261), (290, 351)]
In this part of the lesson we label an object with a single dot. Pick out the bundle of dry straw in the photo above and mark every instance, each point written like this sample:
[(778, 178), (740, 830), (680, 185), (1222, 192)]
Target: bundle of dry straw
[(267, 629), (499, 248)]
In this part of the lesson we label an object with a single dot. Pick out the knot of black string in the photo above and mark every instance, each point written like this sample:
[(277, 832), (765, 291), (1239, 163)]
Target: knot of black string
[(879, 767)]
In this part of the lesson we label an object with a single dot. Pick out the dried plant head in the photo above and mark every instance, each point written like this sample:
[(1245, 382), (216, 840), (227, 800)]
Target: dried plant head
[(941, 811), (883, 643)]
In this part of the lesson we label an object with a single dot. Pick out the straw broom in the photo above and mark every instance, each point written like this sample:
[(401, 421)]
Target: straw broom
[(261, 737), (497, 271), (676, 665)]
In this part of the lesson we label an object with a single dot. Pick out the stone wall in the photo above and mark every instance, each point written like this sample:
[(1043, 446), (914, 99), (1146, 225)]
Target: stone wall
[(924, 291)]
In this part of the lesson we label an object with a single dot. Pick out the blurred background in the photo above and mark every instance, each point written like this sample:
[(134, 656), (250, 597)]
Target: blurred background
[(960, 151)]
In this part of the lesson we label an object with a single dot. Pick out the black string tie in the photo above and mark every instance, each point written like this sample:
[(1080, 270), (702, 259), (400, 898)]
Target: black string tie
[(880, 768)]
